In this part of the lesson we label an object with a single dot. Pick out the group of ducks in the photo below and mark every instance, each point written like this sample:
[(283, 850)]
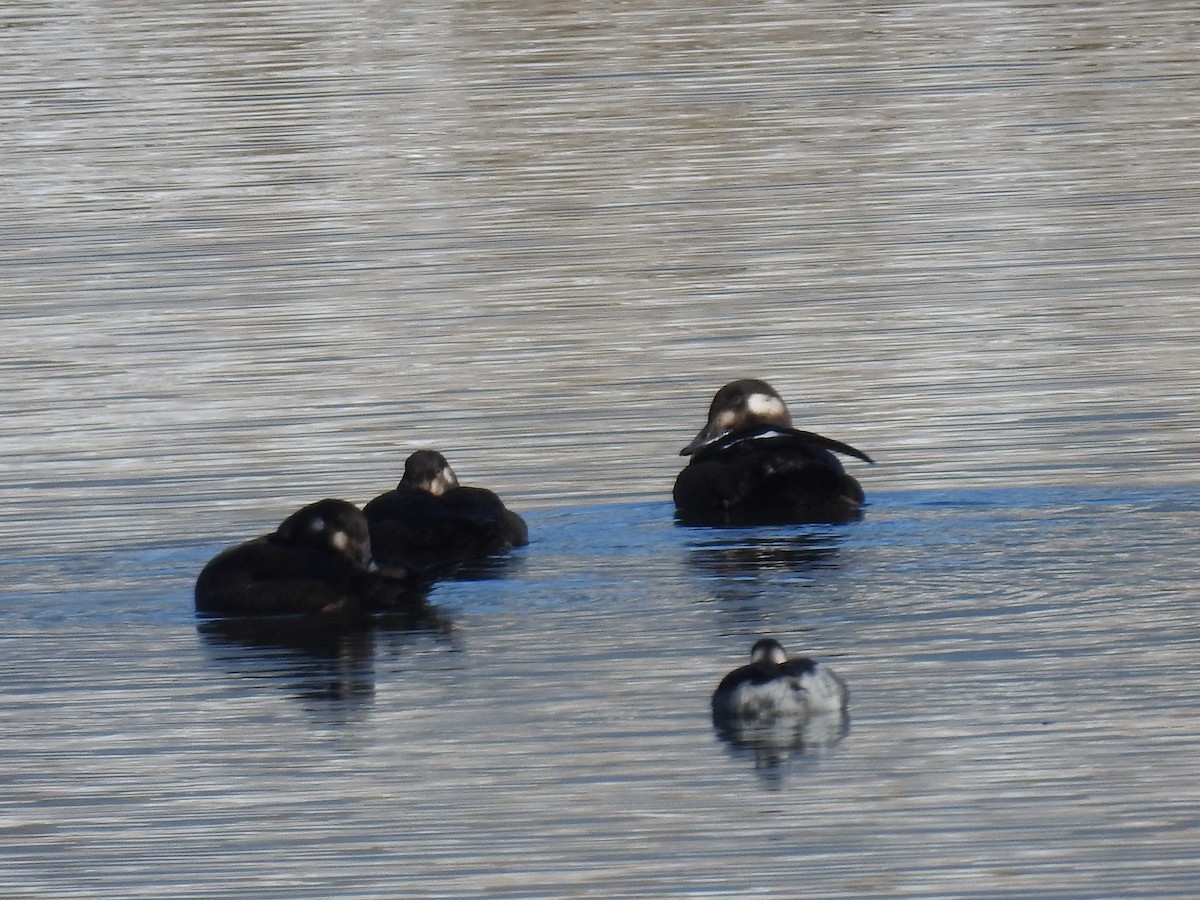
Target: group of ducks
[(748, 466)]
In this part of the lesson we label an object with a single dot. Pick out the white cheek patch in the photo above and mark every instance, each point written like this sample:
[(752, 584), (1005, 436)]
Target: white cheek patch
[(766, 406), (340, 540)]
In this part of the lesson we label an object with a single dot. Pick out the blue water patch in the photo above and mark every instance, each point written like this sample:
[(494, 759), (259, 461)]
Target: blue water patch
[(579, 554)]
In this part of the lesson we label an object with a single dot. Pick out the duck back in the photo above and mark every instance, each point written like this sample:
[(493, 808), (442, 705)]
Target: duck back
[(413, 527), (780, 476)]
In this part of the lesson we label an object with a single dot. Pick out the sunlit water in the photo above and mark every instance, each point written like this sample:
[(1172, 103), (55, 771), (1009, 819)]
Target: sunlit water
[(255, 253)]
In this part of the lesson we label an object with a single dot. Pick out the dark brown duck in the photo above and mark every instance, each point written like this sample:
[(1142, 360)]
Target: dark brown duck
[(749, 466)]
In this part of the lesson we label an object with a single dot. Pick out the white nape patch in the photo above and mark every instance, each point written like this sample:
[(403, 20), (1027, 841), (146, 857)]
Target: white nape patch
[(766, 406), (444, 481), (316, 525), (340, 540), (772, 653)]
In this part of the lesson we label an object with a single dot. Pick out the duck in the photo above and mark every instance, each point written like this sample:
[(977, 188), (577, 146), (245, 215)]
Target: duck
[(316, 563), (432, 522), (750, 466), (773, 687)]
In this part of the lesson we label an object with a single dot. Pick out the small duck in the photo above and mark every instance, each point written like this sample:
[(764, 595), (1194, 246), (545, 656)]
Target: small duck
[(773, 686), (749, 466), (431, 522), (316, 563)]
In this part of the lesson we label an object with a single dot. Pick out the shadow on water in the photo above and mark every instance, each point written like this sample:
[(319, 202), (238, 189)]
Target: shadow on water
[(778, 746), (309, 658)]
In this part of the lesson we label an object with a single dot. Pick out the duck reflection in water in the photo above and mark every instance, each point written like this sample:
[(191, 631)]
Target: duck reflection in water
[(778, 708), (749, 466), (744, 554), (310, 659)]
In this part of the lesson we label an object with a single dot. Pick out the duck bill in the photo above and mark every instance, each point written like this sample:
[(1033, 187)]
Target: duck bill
[(703, 439), (363, 557)]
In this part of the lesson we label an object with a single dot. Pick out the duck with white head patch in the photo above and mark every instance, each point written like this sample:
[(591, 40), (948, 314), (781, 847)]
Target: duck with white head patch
[(316, 563), (750, 466), (431, 521)]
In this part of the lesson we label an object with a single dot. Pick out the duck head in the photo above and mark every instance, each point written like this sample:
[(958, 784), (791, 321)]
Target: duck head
[(740, 404)]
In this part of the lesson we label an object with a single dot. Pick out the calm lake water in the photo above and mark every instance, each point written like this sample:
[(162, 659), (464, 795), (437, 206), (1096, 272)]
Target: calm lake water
[(253, 254)]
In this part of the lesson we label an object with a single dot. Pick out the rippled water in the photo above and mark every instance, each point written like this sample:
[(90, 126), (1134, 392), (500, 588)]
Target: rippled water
[(255, 253)]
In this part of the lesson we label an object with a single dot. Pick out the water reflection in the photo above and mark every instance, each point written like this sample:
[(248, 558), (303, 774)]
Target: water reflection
[(777, 744), (489, 568), (310, 658), (743, 554)]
